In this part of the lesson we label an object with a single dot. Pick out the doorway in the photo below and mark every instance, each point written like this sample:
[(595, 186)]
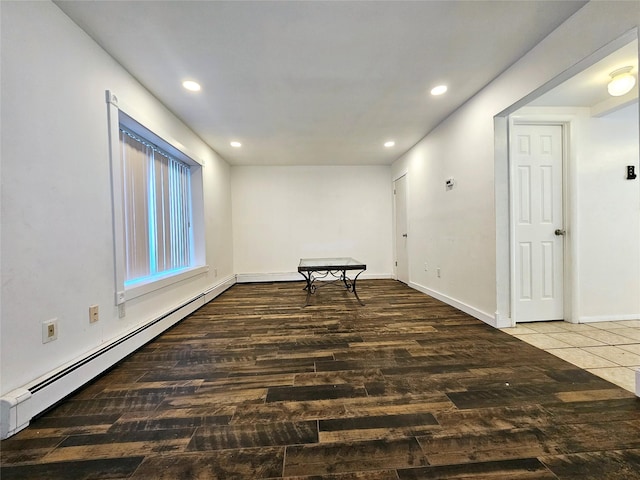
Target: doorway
[(601, 254), (401, 235)]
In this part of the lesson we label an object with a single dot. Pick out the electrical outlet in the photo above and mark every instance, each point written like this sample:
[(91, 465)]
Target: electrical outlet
[(215, 272), (49, 330), (120, 297), (438, 272), (94, 314), (425, 266)]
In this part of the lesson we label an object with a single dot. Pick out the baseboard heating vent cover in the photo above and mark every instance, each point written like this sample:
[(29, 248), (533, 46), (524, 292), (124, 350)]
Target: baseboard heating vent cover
[(15, 412)]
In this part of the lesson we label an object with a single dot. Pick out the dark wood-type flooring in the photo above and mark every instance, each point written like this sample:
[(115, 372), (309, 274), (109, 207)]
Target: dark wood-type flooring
[(254, 386)]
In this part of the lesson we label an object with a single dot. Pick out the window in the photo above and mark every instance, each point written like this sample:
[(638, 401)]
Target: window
[(158, 207), (157, 210)]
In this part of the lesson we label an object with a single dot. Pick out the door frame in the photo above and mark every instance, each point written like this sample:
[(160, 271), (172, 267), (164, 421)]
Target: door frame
[(568, 274), (397, 177)]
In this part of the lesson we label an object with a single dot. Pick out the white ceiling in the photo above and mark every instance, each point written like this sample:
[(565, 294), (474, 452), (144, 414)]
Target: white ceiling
[(316, 82), (589, 87)]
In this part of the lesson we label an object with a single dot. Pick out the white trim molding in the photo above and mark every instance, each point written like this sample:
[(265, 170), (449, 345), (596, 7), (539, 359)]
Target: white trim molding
[(474, 312)]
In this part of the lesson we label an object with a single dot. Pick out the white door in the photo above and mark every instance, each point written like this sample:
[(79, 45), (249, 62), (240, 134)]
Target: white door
[(402, 258), (537, 156)]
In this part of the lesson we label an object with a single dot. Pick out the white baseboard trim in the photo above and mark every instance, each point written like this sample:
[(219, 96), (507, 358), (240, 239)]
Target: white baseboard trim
[(474, 312), (224, 284), (503, 321), (269, 277), (296, 277), (608, 318), (19, 406)]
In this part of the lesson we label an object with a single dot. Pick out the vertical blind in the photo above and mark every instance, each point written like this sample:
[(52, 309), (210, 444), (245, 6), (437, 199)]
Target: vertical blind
[(157, 210)]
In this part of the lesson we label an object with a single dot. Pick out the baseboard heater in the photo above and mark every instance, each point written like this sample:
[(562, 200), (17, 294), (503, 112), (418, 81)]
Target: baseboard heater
[(20, 406)]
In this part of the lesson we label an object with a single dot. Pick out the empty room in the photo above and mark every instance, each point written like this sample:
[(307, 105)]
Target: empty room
[(319, 239)]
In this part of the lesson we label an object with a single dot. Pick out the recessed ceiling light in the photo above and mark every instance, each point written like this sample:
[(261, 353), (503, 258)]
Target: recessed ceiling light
[(390, 143), (191, 85), (439, 90), (236, 144)]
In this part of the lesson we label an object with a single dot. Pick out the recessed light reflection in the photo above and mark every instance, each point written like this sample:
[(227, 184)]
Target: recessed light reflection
[(390, 143), (191, 85), (236, 144), (439, 90)]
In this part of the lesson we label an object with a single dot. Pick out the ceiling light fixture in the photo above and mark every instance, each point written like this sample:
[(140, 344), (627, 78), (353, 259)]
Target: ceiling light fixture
[(191, 85), (390, 143), (621, 81), (439, 90), (236, 144)]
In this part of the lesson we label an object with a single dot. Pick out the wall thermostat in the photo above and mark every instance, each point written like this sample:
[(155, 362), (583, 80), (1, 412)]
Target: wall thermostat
[(450, 183)]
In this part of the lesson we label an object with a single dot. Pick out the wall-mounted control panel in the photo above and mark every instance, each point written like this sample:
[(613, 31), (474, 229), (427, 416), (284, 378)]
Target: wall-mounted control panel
[(450, 183), (631, 172)]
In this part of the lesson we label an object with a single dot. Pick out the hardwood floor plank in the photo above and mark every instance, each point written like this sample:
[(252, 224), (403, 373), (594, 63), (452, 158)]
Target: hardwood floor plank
[(443, 448), (245, 435), (115, 450), (368, 475), (136, 436), (353, 377), (520, 469), (611, 465), (168, 423), (378, 421), (351, 457), (252, 463), (110, 468), (314, 392)]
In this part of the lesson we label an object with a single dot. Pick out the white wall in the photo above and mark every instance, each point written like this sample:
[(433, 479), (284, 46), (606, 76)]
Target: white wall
[(465, 231), (282, 214), (57, 244), (608, 218)]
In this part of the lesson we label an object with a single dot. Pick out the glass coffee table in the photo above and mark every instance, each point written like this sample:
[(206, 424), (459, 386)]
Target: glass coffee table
[(313, 269)]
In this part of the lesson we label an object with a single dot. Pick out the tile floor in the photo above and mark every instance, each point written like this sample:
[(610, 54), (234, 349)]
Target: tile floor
[(610, 350)]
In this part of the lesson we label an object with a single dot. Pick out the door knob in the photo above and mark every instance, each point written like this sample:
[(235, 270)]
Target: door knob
[(404, 235), (559, 232)]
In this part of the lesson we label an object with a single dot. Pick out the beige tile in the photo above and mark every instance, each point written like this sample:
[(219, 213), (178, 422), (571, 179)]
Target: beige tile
[(544, 327), (576, 339), (630, 323), (621, 376), (581, 359), (633, 348), (518, 330), (542, 341), (608, 325), (575, 327), (629, 332), (615, 355), (609, 337)]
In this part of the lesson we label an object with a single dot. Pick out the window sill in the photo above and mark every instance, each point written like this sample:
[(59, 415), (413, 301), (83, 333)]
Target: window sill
[(148, 286)]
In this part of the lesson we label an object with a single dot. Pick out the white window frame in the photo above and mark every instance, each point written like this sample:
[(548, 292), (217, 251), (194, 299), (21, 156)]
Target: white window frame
[(116, 116)]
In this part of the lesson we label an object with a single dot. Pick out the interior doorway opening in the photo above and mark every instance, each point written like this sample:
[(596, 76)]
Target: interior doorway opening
[(602, 224), (401, 227)]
